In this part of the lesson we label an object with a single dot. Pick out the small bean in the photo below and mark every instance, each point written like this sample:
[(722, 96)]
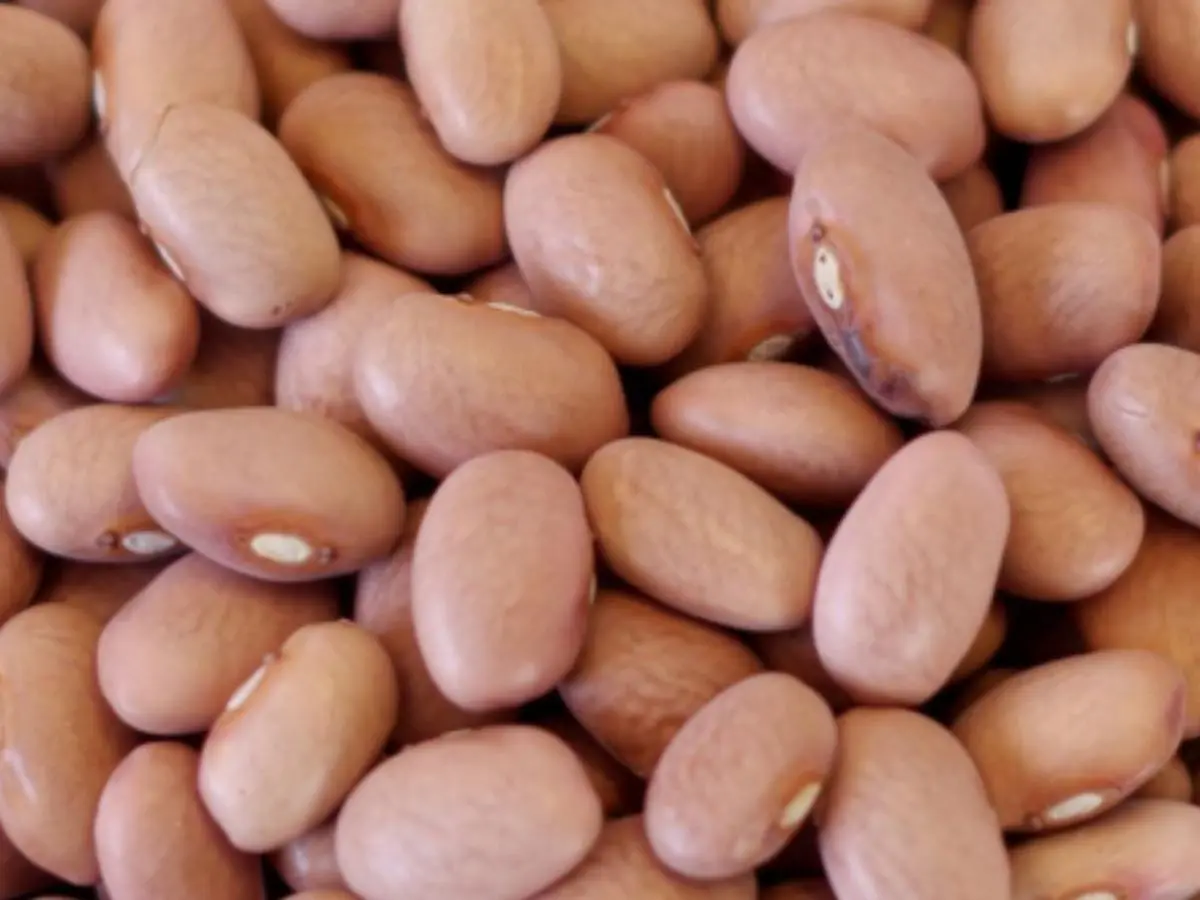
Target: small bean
[(503, 286)]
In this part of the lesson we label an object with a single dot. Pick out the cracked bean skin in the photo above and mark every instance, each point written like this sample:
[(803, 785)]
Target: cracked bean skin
[(740, 778), (905, 815), (341, 20), (61, 741), (498, 813), (893, 618), (741, 18), (16, 313), (309, 862), (645, 671), (906, 324), (735, 556), (21, 565), (250, 489)]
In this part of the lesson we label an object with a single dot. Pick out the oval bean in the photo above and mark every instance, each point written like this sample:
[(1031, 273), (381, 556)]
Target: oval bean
[(973, 196)]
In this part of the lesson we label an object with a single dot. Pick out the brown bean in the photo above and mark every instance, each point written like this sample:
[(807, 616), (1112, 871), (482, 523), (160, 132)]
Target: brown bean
[(35, 398), (515, 795), (906, 323), (740, 777), (281, 261), (20, 568), (70, 486), (1075, 526), (805, 435), (618, 49), (602, 243), (988, 641), (621, 792), (1167, 34), (909, 574), (60, 741), (78, 15), (789, 82), (98, 589), (1064, 402), (685, 129), (1145, 849), (234, 367), (1062, 286), (1172, 782), (948, 24), (154, 55), (741, 18), (973, 196), (309, 862), (795, 652), (1049, 70), (86, 180), (154, 839), (906, 815), (250, 489), (502, 285), (27, 227), (16, 311), (339, 20), (735, 555), (43, 87), (622, 865), (298, 735), (809, 889), (323, 895), (644, 671), (172, 656), (364, 145), (510, 380)]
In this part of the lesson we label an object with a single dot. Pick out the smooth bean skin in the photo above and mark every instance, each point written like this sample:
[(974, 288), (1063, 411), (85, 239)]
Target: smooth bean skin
[(1062, 286), (70, 488), (297, 737), (86, 180), (341, 20), (973, 196), (1145, 849), (16, 313), (43, 87), (27, 227), (741, 776), (363, 143), (735, 555), (601, 242), (152, 55), (110, 317), (741, 18), (623, 865), (988, 641), (173, 655), (795, 652), (309, 862), (907, 324), (279, 261), (443, 381), (893, 617), (502, 285), (498, 813), (250, 489), (1062, 401), (154, 839), (805, 435), (905, 815), (1075, 525), (1176, 321), (78, 15), (1167, 35), (20, 568), (61, 741), (1067, 740), (621, 792), (789, 82), (98, 589)]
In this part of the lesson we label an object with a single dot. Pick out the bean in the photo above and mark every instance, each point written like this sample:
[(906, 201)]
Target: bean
[(249, 488), (362, 142), (27, 227), (503, 286), (340, 20), (973, 196), (1062, 401), (21, 566), (795, 652), (904, 13), (515, 795), (322, 895), (443, 381), (1184, 183), (988, 641), (905, 813), (789, 82), (809, 889), (78, 15), (1172, 782), (298, 735), (621, 792), (948, 24), (16, 311), (18, 876), (1166, 51), (234, 367), (61, 741), (71, 491), (309, 862), (892, 617), (154, 838), (98, 589), (86, 180)]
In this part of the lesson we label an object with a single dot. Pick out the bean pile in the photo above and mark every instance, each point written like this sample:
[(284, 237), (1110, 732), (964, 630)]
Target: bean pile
[(599, 449)]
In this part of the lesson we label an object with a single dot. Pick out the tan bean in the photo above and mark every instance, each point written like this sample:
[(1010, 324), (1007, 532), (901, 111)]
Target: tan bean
[(644, 671), (154, 839), (514, 794), (298, 735), (973, 196), (1177, 320), (151, 56), (685, 129), (507, 380), (60, 741), (601, 242), (1185, 182), (1167, 34), (988, 641), (1145, 849), (909, 574), (1062, 286), (364, 145), (502, 285), (234, 367), (805, 435), (906, 323), (1064, 402), (621, 792), (78, 15), (309, 862), (16, 311), (741, 18), (622, 865), (250, 489), (615, 50), (18, 876), (1172, 782), (27, 227), (43, 87), (339, 20), (70, 486), (98, 589), (948, 24), (1075, 526), (795, 652), (789, 82), (323, 895), (86, 181), (809, 889), (906, 815), (735, 556), (280, 262), (33, 399), (20, 568)]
